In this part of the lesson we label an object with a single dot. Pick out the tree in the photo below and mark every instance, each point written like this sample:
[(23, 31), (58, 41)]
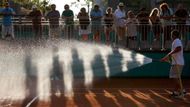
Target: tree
[(43, 5)]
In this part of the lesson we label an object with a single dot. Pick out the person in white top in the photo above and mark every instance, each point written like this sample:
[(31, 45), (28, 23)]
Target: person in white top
[(120, 19), (176, 55), (131, 24)]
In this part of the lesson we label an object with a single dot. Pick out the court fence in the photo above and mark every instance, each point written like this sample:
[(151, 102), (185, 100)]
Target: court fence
[(143, 37)]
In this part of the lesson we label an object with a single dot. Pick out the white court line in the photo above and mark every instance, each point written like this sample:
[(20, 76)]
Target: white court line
[(35, 98), (28, 105)]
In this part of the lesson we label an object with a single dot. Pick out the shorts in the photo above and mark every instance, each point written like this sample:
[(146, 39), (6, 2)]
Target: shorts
[(175, 71), (7, 30), (54, 32)]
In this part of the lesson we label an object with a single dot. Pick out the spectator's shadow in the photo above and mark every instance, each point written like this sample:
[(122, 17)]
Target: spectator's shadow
[(114, 62), (56, 86), (30, 83), (77, 69), (98, 66)]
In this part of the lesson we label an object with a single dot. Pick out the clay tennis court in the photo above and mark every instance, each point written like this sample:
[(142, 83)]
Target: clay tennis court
[(42, 76), (115, 92)]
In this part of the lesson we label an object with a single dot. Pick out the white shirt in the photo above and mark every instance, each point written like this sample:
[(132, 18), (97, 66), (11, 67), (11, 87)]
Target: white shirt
[(177, 58), (164, 21), (118, 14), (131, 27)]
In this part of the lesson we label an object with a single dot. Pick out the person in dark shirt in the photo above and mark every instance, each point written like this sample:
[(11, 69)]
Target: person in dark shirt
[(36, 15), (84, 22), (83, 19), (166, 15), (156, 23), (108, 20), (96, 21), (144, 25), (181, 16), (68, 17), (53, 16)]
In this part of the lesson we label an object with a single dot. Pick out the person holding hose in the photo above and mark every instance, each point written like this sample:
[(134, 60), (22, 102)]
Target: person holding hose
[(177, 63)]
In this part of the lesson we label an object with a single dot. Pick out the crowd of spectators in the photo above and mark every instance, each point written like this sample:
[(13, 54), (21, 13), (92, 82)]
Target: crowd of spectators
[(127, 25)]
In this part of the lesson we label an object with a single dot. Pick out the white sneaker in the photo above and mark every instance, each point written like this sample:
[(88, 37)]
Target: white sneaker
[(184, 91), (181, 96)]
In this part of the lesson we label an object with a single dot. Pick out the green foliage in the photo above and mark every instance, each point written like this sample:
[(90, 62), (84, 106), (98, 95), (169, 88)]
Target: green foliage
[(28, 3), (43, 5)]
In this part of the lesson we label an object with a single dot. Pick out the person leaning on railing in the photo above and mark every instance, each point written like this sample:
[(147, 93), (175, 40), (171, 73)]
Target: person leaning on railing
[(120, 19), (156, 24), (68, 17), (7, 28), (36, 16), (96, 18), (83, 18), (166, 15), (180, 17), (144, 25), (131, 24), (84, 22), (108, 20), (53, 17)]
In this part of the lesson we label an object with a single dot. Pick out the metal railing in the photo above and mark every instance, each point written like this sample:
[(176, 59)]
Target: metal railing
[(148, 37)]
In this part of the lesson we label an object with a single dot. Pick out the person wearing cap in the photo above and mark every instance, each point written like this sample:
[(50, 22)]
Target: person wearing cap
[(7, 28), (36, 16), (120, 19), (53, 17)]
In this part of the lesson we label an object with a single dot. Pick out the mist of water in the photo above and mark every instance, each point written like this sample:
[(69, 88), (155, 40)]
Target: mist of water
[(28, 65)]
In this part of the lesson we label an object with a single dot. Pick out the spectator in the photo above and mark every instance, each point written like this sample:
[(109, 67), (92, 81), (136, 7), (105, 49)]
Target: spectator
[(68, 17), (181, 16), (120, 19), (131, 24), (84, 22), (96, 16), (156, 23), (108, 19), (83, 18), (7, 28), (36, 16), (144, 27), (53, 16), (166, 15)]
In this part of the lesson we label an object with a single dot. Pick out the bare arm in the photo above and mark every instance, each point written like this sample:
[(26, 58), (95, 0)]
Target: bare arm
[(176, 50)]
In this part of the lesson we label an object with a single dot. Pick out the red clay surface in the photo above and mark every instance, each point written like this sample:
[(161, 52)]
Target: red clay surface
[(115, 92)]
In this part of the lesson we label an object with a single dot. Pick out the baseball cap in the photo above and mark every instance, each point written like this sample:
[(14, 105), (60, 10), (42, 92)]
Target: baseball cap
[(121, 4), (34, 7)]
